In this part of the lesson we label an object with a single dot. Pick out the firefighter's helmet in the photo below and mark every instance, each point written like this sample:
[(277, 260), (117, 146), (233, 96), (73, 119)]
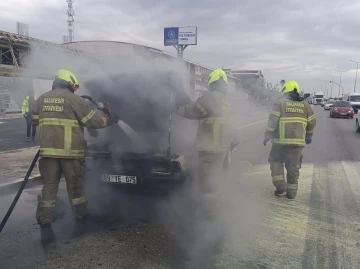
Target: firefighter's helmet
[(290, 86), (216, 75), (69, 77)]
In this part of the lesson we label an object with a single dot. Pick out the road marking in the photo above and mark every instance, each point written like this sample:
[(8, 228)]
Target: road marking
[(353, 176), (251, 124), (1, 122)]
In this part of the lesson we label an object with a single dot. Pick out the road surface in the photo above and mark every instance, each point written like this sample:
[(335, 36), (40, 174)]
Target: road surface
[(13, 135), (319, 229)]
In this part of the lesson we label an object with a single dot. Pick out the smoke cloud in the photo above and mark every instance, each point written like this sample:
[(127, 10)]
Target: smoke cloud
[(141, 94)]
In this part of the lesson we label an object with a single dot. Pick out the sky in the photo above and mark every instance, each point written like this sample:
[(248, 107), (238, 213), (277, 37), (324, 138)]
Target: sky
[(299, 40)]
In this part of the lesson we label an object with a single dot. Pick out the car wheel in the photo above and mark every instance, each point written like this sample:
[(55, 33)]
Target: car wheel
[(357, 126)]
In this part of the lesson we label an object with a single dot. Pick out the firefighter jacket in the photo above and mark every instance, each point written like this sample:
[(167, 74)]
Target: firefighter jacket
[(213, 112), (62, 116), (291, 121), (27, 105)]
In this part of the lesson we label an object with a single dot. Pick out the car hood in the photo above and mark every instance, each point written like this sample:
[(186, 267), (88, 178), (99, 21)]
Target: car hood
[(144, 103)]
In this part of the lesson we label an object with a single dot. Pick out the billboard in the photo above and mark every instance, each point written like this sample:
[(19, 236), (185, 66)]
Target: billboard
[(174, 36)]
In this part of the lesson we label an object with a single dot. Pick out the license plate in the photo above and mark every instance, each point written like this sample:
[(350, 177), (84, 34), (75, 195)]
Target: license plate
[(343, 114), (120, 179)]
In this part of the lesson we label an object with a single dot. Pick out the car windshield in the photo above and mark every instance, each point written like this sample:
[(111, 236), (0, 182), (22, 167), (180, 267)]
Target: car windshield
[(342, 104), (354, 98)]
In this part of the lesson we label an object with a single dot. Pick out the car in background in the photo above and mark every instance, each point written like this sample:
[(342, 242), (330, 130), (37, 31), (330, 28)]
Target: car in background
[(329, 104), (342, 109)]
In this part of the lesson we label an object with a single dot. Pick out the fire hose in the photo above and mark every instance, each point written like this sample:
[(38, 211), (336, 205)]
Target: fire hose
[(100, 106)]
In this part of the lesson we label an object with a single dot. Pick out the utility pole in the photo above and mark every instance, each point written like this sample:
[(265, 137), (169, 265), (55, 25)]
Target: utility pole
[(70, 12), (341, 71), (357, 67)]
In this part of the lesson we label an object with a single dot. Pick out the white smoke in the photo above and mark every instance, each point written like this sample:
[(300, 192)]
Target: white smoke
[(181, 211)]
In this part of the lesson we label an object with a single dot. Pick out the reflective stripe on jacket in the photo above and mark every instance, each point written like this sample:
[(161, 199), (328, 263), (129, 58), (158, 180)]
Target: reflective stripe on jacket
[(290, 122), (62, 116), (213, 112)]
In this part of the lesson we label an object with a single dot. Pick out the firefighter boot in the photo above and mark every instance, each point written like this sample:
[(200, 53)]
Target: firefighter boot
[(279, 192), (47, 235), (291, 194)]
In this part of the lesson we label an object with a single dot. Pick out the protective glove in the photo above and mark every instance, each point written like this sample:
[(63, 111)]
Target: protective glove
[(308, 141), (114, 118), (266, 139)]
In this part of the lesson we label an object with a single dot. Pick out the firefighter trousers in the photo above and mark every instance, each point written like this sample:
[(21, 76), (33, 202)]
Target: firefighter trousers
[(291, 156), (211, 175), (51, 170)]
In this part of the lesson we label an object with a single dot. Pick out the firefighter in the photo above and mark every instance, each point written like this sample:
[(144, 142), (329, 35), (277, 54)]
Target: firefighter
[(62, 116), (26, 108), (213, 139), (291, 125)]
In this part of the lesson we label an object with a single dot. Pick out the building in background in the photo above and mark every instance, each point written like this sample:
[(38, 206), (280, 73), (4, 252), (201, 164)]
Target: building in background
[(7, 103), (249, 78), (101, 56)]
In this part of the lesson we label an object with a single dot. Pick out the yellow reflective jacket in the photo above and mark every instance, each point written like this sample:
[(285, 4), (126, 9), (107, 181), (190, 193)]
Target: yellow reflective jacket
[(290, 122), (213, 112), (62, 116), (27, 105)]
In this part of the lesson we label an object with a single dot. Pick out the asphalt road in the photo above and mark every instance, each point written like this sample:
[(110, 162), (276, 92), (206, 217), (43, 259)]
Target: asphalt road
[(13, 135), (319, 229)]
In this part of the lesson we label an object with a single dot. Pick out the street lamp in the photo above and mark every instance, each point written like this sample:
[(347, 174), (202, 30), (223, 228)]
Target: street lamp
[(325, 88), (332, 79), (341, 71), (339, 86), (357, 67)]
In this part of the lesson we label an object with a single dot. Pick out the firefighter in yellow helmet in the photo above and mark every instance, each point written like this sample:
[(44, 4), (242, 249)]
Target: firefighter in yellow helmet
[(290, 126), (212, 110), (62, 116)]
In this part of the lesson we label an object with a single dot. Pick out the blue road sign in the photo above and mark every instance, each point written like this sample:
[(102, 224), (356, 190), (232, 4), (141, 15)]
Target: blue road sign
[(171, 36)]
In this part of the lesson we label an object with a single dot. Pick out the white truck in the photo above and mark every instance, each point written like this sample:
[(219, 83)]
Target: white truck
[(318, 98), (353, 98)]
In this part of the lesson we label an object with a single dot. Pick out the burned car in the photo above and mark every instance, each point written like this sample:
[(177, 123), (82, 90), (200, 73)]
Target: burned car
[(148, 146)]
